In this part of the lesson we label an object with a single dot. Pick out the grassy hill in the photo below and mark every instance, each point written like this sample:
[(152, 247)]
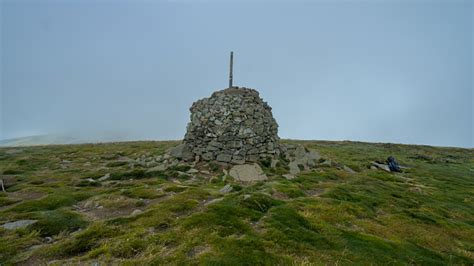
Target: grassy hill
[(424, 215)]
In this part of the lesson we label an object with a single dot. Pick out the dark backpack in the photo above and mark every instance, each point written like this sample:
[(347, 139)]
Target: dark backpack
[(393, 165)]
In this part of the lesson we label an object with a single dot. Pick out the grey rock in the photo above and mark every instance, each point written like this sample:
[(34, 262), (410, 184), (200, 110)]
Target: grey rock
[(294, 168), (252, 158), (184, 174), (182, 151), (208, 156), (348, 169), (192, 171), (124, 159), (172, 162), (213, 201), (247, 173), (160, 167), (18, 224), (151, 164), (90, 204), (136, 212), (289, 176), (226, 189), (381, 166), (224, 157), (300, 152), (299, 156), (313, 155), (177, 152), (105, 177), (326, 163), (238, 159), (273, 163)]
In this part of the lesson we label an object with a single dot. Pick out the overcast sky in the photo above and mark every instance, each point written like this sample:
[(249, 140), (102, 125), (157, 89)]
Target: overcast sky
[(378, 71)]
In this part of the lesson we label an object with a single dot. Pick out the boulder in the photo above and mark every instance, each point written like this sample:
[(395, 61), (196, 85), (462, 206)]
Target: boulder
[(247, 173)]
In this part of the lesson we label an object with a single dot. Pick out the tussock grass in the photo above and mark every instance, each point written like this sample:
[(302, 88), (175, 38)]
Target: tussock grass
[(51, 223)]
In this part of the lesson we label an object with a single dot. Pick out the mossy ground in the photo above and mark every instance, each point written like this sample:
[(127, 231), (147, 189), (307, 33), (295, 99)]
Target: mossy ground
[(424, 215)]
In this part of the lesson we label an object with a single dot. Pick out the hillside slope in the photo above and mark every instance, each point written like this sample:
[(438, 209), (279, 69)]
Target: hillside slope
[(100, 203)]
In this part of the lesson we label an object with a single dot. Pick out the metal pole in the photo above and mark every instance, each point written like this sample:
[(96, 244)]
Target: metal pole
[(230, 69)]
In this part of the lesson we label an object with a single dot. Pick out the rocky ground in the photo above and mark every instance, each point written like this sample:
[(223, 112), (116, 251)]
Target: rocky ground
[(321, 202)]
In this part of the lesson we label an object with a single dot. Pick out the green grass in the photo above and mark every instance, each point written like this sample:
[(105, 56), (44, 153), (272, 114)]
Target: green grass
[(50, 202), (82, 242), (143, 193), (7, 201), (51, 223), (12, 172), (116, 164), (424, 215)]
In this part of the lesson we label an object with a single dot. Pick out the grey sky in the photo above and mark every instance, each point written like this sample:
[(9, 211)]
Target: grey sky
[(390, 71)]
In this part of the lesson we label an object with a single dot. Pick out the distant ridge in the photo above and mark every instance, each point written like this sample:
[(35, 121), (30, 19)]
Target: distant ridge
[(40, 140)]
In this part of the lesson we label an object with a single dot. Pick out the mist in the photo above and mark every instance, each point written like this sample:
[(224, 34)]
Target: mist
[(396, 71)]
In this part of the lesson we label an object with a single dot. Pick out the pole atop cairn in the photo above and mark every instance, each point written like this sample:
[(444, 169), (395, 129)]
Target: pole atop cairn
[(230, 68)]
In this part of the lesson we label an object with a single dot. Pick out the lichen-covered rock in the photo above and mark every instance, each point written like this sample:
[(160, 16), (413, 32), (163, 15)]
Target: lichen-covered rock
[(232, 126)]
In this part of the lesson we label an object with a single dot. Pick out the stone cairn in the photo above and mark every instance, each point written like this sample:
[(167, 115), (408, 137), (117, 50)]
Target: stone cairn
[(234, 126)]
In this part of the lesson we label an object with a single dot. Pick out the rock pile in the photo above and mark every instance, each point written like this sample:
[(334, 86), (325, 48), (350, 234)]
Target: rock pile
[(234, 126)]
